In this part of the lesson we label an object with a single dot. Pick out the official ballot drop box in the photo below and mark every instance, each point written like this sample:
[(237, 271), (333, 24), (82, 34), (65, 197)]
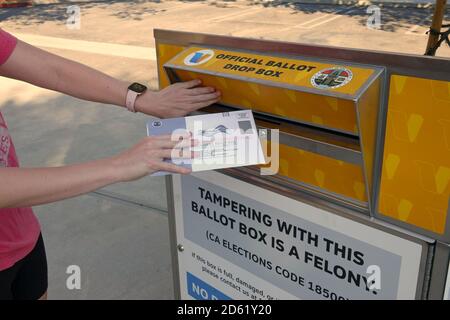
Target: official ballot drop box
[(358, 206)]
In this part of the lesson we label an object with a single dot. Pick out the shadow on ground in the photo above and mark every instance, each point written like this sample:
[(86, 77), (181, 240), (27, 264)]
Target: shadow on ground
[(392, 18), (57, 12)]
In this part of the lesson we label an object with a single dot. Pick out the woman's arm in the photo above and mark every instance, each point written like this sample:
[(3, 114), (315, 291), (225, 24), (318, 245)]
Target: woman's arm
[(26, 187), (46, 70), (23, 187)]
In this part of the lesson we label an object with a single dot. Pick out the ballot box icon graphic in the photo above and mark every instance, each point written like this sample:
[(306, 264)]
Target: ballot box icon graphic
[(198, 57)]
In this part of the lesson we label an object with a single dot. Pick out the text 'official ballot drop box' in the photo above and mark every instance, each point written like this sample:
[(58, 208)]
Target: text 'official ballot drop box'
[(358, 207)]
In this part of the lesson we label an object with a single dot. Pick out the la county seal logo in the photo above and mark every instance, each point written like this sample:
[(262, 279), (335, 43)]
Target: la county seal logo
[(198, 57), (331, 78)]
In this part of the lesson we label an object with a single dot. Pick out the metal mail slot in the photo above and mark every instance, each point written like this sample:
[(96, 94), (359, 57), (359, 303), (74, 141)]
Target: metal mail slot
[(322, 94), (326, 113), (325, 148)]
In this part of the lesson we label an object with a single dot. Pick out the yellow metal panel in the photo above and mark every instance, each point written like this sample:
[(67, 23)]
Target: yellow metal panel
[(415, 181), (368, 110), (326, 173), (165, 52), (329, 112), (282, 70)]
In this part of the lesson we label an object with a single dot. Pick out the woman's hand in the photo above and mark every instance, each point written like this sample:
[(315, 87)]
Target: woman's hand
[(24, 187), (47, 70), (177, 100), (147, 157)]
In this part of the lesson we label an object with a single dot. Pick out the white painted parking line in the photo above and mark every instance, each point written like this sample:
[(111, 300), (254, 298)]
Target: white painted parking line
[(330, 17), (180, 7), (231, 15), (109, 49), (322, 19), (413, 31), (301, 25)]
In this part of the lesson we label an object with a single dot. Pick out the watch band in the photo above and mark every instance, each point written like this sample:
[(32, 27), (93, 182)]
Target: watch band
[(131, 100)]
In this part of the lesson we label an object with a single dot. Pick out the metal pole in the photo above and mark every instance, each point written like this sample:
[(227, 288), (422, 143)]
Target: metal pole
[(436, 24)]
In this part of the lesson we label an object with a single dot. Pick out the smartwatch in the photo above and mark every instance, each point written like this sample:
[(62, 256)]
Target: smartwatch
[(134, 91)]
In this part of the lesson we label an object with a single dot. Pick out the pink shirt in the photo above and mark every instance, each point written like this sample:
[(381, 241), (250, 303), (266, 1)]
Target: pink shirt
[(19, 228)]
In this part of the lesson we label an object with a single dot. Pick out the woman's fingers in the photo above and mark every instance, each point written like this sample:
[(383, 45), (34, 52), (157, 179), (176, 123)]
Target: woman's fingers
[(178, 144), (182, 135), (189, 84), (170, 167), (203, 97), (201, 90), (184, 153)]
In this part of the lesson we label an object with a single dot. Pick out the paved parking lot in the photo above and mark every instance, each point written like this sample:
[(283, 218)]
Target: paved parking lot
[(118, 235), (131, 22)]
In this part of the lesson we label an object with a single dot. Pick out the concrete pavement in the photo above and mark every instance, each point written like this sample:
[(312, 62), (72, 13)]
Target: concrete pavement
[(122, 250), (109, 49), (132, 23), (119, 235)]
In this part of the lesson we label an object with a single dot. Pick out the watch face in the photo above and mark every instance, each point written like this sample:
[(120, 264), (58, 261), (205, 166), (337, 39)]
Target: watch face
[(137, 87)]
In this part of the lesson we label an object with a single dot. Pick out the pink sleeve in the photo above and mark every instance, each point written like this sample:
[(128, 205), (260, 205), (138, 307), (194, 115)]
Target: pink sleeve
[(7, 45)]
